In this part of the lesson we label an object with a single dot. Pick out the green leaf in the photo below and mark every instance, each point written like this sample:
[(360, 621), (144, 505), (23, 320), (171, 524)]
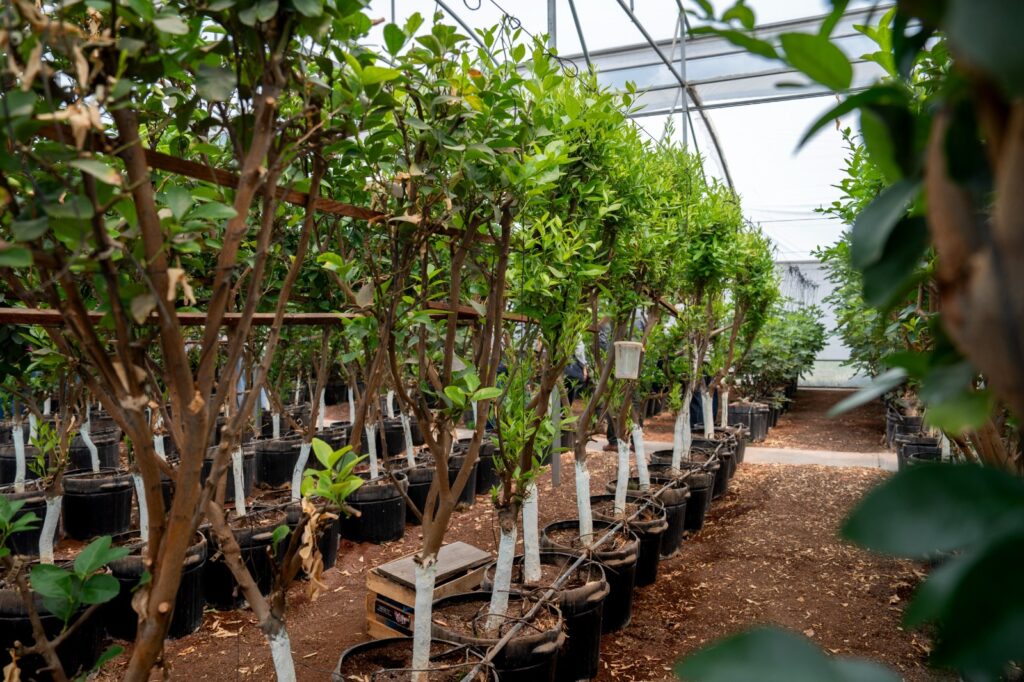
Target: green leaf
[(8, 508), (98, 170), (987, 34), (215, 83), (99, 589), (394, 38), (16, 103), (741, 13), (488, 393), (14, 257), (309, 8), (773, 655), (939, 508), (51, 581), (96, 555), (879, 143), (819, 59), (740, 39), (179, 200), (874, 225), (877, 93), (74, 207), (279, 534), (266, 9), (887, 278), (377, 74), (881, 385), (213, 210), (968, 410), (107, 656), (27, 230), (456, 395), (172, 24), (323, 452)]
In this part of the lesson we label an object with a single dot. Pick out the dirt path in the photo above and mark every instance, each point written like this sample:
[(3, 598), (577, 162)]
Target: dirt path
[(807, 426), (768, 554)]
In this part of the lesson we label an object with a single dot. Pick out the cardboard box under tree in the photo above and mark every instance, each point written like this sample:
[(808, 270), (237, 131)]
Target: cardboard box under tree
[(391, 588)]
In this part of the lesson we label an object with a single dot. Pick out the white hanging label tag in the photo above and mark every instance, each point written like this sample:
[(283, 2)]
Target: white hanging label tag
[(18, 436), (391, 404), (300, 466), (140, 495), (49, 532), (275, 421), (239, 479)]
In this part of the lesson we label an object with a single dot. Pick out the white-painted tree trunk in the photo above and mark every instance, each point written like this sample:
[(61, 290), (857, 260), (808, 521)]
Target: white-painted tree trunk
[(18, 437), (555, 414), (473, 402), (426, 576), (641, 458), (281, 654), (49, 533), (410, 449), (47, 406), (321, 415), (32, 427), (94, 455), (275, 424), (709, 414), (531, 534), (502, 577), (140, 495), (371, 445), (158, 445), (724, 409), (583, 504), (683, 435), (946, 450), (239, 481), (300, 467), (298, 389), (390, 404), (622, 482), (351, 406)]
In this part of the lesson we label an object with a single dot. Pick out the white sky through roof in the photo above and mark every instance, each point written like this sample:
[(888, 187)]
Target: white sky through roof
[(780, 186)]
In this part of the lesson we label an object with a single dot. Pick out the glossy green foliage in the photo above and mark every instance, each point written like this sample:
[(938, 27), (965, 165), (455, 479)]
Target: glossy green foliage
[(11, 522), (66, 591), (788, 341), (335, 479)]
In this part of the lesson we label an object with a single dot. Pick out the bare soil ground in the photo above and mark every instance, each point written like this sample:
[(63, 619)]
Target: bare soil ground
[(807, 426), (768, 554)]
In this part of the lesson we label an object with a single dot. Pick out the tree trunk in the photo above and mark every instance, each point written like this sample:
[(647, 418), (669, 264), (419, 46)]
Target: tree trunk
[(583, 502), (623, 477), (300, 467), (531, 540), (709, 415), (426, 576), (641, 459), (723, 408), (503, 567), (683, 436)]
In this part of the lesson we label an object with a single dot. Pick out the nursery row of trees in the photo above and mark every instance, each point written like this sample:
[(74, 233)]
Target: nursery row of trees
[(465, 214), (926, 302)]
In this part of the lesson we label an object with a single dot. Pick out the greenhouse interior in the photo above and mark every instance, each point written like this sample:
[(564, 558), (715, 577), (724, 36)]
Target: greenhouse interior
[(480, 340)]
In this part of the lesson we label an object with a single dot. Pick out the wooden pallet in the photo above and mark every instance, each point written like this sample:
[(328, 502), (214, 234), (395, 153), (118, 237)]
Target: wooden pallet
[(391, 588)]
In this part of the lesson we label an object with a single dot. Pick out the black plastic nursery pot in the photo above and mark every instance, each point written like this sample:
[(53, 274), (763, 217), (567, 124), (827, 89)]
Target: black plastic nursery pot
[(531, 655), (581, 600), (649, 527), (672, 498), (9, 463), (248, 473), (922, 447), (700, 483), (97, 503), (905, 425), (78, 653), (721, 485), (122, 621), (469, 491), (382, 511), (420, 477), (254, 534), (275, 460), (391, 659), (108, 450), (618, 556), (487, 475), (26, 543)]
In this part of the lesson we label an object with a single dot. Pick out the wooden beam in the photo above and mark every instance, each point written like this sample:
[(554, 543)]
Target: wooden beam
[(54, 318)]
